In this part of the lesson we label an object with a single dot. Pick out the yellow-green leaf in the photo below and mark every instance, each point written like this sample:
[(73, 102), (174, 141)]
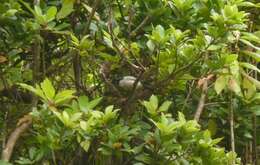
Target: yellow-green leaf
[(48, 89), (220, 84), (51, 13)]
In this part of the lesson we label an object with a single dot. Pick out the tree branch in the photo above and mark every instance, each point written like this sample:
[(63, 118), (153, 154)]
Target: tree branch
[(22, 125), (140, 26), (201, 101), (204, 84), (94, 8)]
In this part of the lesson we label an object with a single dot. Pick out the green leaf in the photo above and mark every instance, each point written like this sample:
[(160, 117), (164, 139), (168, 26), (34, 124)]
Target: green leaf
[(181, 117), (249, 44), (39, 16), (257, 96), (254, 81), (149, 107), (109, 114), (51, 13), (36, 90), (85, 145), (254, 55), (109, 109), (220, 84), (57, 114), (48, 89), (27, 6), (154, 102), (83, 125), (66, 118), (75, 40), (38, 10), (66, 9), (247, 4), (89, 9), (216, 141), (83, 103), (230, 58), (212, 127), (92, 104), (10, 13), (28, 87), (256, 109), (76, 116), (158, 34), (39, 92), (248, 135), (150, 45), (249, 66), (249, 89), (229, 10), (165, 106), (160, 30), (251, 37), (64, 96)]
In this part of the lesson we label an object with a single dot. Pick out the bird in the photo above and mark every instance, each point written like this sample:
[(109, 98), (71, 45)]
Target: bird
[(127, 83)]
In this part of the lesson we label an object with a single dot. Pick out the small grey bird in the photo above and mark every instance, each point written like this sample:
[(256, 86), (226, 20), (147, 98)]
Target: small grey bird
[(127, 83)]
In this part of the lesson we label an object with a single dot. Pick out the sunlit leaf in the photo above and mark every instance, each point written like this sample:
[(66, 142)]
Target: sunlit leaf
[(51, 13), (255, 55), (66, 9), (154, 102), (64, 96), (48, 89), (165, 106), (85, 145), (249, 66)]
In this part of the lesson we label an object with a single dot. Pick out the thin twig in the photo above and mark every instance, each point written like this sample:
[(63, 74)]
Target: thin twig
[(36, 47), (93, 11), (4, 132), (231, 121), (115, 45), (254, 122), (77, 71), (104, 71), (140, 26), (120, 10), (188, 96)]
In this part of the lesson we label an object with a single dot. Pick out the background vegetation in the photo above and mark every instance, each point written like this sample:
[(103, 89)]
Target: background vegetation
[(110, 81)]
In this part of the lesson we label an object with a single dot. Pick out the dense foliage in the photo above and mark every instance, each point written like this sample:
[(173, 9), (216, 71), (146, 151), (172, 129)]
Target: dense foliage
[(110, 81)]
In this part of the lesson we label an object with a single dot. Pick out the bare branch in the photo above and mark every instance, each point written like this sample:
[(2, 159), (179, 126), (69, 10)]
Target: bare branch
[(201, 101), (22, 125), (204, 84), (140, 26)]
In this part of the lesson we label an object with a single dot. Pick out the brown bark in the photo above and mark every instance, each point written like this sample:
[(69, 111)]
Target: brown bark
[(231, 121), (22, 126), (77, 71), (255, 162), (201, 101), (204, 83)]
